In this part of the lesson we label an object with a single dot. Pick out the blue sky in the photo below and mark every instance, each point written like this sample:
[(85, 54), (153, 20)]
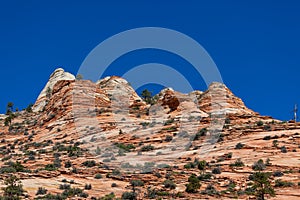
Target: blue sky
[(255, 44)]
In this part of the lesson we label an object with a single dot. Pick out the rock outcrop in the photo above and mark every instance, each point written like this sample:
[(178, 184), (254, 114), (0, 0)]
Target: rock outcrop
[(57, 75)]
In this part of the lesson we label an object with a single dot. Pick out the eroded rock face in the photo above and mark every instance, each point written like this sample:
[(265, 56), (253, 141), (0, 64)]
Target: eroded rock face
[(219, 99), (58, 75)]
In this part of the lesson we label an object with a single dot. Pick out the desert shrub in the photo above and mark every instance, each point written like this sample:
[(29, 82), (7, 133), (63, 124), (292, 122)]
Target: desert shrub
[(68, 164), (57, 163), (41, 191), (110, 196), (125, 147), (259, 165), (89, 163), (17, 166), (260, 123), (98, 176), (50, 167), (168, 138), (116, 172), (227, 121), (267, 137), (74, 170), (64, 180), (129, 196), (52, 197), (169, 184), (200, 133), (268, 162), (217, 170), (239, 146), (88, 187), (137, 183), (237, 163), (64, 186), (202, 165), (275, 143), (210, 190), (169, 122), (280, 183), (192, 164), (7, 170), (193, 185), (147, 148), (229, 155), (278, 174), (283, 149), (206, 176), (158, 175), (267, 128)]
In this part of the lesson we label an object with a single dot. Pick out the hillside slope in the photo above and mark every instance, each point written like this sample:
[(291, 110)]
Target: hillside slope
[(105, 135)]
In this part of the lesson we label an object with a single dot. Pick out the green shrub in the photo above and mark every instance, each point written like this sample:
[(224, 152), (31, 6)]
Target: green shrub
[(169, 122), (137, 183), (283, 149), (64, 186), (260, 123), (193, 185), (98, 176), (88, 187), (147, 148), (113, 185), (259, 165), (239, 146), (129, 196), (168, 138), (14, 188), (280, 183), (210, 190), (275, 143), (278, 174), (206, 176), (110, 196), (125, 147), (68, 164), (41, 191), (50, 167), (237, 163), (267, 137), (169, 184), (116, 172), (217, 170), (89, 163), (200, 133)]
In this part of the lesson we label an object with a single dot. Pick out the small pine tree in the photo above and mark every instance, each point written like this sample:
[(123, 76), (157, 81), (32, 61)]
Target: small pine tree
[(29, 108), (262, 185), (9, 108), (147, 96)]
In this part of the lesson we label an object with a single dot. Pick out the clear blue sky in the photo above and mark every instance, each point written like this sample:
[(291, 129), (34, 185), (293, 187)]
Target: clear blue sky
[(255, 44)]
